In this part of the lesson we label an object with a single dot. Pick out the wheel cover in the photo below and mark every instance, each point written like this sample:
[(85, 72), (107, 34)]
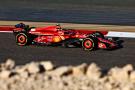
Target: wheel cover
[(88, 44), (21, 39)]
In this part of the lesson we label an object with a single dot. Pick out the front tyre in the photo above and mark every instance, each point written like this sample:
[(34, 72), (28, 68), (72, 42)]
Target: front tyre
[(89, 44), (21, 39)]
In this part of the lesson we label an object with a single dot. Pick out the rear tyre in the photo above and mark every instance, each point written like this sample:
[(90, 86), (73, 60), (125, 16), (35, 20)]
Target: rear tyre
[(21, 39), (89, 44)]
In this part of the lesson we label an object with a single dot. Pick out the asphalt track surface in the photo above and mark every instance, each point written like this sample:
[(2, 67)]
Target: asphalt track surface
[(66, 56)]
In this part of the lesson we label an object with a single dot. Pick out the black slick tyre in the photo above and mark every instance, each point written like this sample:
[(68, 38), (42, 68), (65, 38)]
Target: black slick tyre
[(89, 44), (21, 39)]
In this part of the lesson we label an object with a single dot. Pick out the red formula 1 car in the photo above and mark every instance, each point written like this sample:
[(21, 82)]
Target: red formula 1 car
[(57, 36)]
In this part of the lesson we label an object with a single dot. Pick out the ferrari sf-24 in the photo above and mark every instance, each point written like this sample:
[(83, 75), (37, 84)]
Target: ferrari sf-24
[(58, 36)]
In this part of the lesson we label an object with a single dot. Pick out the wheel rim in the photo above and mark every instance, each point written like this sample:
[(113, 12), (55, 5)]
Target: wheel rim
[(88, 44), (21, 39)]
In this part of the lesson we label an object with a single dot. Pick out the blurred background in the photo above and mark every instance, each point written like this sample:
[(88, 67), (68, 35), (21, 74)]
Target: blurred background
[(73, 11), (66, 3)]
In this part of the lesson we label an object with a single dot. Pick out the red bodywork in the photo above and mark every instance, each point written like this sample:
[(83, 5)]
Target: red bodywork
[(56, 34), (7, 28)]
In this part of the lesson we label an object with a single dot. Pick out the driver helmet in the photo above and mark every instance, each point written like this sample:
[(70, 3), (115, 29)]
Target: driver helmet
[(20, 25)]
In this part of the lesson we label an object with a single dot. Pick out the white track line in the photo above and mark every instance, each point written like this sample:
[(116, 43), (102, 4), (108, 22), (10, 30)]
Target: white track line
[(109, 34), (6, 31), (121, 34)]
